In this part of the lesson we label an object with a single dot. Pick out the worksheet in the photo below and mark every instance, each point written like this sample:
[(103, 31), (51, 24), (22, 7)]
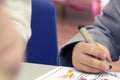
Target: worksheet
[(68, 73)]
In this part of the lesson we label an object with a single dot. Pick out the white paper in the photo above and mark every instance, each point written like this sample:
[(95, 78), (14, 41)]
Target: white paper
[(68, 73)]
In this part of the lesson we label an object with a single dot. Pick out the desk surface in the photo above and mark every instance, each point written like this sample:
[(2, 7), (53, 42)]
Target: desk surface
[(32, 71)]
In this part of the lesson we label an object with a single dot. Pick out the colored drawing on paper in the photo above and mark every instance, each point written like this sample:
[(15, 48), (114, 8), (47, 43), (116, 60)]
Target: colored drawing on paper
[(104, 79), (69, 75), (82, 79)]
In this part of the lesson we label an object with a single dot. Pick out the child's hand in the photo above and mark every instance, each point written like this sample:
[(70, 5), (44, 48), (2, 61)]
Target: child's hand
[(12, 46), (84, 58)]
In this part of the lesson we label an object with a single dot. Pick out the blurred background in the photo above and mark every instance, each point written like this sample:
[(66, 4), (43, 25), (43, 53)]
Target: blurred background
[(54, 22), (71, 13)]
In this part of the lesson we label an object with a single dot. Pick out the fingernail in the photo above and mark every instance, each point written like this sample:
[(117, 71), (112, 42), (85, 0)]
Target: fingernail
[(107, 68)]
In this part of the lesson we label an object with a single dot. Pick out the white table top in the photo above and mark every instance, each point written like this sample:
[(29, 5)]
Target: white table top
[(33, 71)]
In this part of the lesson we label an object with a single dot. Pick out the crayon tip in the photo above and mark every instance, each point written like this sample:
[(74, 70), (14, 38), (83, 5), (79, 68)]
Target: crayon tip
[(110, 67), (80, 26)]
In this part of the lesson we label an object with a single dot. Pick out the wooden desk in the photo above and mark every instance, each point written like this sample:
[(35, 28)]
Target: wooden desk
[(33, 71)]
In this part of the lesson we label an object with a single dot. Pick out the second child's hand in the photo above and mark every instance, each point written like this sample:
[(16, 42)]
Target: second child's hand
[(3, 75)]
